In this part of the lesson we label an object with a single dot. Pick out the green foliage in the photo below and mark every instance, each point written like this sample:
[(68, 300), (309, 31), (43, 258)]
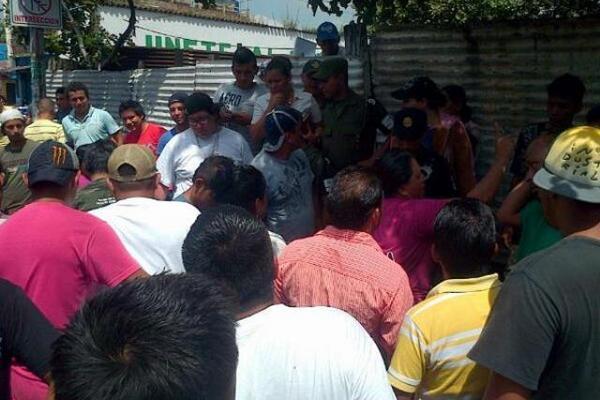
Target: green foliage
[(457, 12)]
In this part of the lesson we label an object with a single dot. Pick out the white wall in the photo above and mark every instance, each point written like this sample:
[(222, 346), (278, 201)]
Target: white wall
[(155, 29)]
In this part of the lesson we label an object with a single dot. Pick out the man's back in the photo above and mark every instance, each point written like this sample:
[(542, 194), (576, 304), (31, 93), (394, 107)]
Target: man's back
[(544, 330), (347, 270), (59, 256), (300, 353), (45, 129), (152, 231)]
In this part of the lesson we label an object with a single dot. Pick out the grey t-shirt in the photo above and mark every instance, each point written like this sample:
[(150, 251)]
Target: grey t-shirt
[(290, 210), (544, 329), (239, 100)]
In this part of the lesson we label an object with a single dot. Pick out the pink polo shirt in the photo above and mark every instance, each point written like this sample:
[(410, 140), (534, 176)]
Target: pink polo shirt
[(406, 234), (59, 256)]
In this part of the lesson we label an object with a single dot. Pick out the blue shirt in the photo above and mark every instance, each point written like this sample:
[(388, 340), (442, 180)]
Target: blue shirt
[(164, 139), (96, 125)]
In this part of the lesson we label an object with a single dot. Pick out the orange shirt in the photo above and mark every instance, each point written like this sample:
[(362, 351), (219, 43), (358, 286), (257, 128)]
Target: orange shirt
[(347, 270)]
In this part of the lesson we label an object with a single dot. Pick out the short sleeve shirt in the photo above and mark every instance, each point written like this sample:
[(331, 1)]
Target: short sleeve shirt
[(15, 193), (150, 137), (303, 102), (239, 101), (186, 151), (44, 129), (536, 233), (96, 125), (544, 329), (290, 211), (93, 196)]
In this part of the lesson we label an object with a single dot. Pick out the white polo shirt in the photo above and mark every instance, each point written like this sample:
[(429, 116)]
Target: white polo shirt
[(185, 152), (152, 231)]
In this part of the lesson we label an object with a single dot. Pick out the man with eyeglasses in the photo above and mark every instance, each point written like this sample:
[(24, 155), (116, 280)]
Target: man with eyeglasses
[(204, 138)]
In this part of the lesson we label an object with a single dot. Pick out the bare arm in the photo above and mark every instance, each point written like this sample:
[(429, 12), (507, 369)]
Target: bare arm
[(257, 129), (509, 212), (486, 189), (501, 388), (464, 164)]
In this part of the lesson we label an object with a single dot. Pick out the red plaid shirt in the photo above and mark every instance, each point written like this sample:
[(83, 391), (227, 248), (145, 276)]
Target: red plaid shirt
[(347, 270)]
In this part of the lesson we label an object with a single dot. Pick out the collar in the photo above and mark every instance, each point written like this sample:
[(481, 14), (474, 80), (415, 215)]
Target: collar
[(480, 284), (88, 115), (350, 236)]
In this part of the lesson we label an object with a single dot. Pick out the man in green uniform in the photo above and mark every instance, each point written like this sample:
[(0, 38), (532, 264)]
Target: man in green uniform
[(350, 121), (14, 158)]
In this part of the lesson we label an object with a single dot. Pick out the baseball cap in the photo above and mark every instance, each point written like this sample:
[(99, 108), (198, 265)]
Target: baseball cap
[(177, 97), (199, 101), (52, 161), (327, 31), (410, 124), (279, 121), (11, 114), (139, 160), (331, 66), (571, 166), (311, 66)]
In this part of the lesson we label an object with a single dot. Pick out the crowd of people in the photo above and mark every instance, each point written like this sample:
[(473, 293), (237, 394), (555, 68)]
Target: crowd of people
[(266, 246)]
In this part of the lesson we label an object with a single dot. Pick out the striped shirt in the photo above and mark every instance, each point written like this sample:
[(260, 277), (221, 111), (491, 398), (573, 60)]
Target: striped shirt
[(431, 354), (44, 129), (347, 270)]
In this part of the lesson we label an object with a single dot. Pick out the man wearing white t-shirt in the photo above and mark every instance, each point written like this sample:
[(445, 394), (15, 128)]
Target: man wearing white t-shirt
[(152, 231), (284, 353), (205, 137)]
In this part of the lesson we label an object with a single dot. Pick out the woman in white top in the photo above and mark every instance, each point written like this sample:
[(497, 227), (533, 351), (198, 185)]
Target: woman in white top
[(204, 138), (278, 77)]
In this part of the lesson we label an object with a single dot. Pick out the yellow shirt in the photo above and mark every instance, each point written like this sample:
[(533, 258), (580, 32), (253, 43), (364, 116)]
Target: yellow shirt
[(431, 353), (44, 129)]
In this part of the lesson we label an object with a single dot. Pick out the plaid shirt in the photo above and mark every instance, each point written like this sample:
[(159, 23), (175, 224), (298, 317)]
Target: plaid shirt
[(347, 270)]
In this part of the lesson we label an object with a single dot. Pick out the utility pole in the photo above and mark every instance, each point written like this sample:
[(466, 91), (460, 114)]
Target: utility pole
[(36, 49)]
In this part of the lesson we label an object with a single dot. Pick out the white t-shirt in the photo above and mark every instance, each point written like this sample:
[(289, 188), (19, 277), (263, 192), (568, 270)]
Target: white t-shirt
[(241, 101), (277, 243), (303, 102), (299, 353), (186, 151), (152, 231)]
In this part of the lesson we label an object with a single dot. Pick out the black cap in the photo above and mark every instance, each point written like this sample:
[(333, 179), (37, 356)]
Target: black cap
[(419, 88), (199, 101), (410, 124), (52, 162), (177, 97)]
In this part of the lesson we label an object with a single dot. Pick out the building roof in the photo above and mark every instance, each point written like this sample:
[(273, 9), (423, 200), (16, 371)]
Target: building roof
[(170, 7)]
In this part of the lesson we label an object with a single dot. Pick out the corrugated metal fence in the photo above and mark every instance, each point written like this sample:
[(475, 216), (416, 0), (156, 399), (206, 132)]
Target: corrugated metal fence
[(504, 68), (152, 87)]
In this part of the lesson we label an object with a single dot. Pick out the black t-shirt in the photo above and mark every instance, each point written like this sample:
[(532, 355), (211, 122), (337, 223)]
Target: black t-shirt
[(544, 329), (24, 334), (438, 178)]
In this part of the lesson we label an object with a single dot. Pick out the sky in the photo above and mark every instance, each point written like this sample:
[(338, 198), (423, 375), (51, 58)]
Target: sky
[(295, 10)]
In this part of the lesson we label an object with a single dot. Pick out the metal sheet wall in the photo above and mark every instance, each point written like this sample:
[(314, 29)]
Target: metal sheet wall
[(152, 87), (504, 68)]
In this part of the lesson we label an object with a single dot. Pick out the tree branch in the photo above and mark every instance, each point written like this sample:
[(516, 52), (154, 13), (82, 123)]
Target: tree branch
[(77, 32), (123, 37)]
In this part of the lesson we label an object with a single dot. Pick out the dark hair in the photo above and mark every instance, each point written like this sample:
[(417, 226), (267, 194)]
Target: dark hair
[(457, 94), (249, 186), (243, 55), (465, 237), (76, 86), (95, 158), (394, 170), (60, 90), (281, 64), (228, 243), (567, 86), (593, 116), (355, 192), (217, 173), (81, 150), (133, 105), (164, 337)]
